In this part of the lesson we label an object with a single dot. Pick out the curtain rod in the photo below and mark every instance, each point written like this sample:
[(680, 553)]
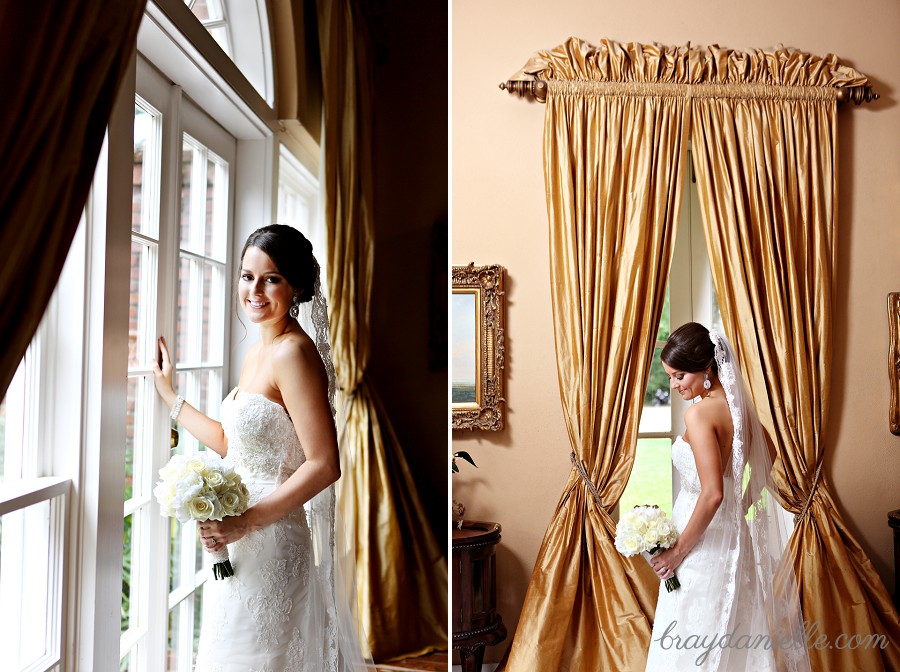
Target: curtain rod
[(537, 90)]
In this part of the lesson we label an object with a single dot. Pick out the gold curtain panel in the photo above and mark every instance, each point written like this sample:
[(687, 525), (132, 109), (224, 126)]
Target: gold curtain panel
[(401, 572)]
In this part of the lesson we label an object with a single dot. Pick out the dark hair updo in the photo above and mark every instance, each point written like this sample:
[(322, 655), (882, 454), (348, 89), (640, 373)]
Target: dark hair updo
[(292, 255), (690, 349)]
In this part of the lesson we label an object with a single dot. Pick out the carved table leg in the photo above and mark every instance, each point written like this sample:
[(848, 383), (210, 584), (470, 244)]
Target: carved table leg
[(471, 657)]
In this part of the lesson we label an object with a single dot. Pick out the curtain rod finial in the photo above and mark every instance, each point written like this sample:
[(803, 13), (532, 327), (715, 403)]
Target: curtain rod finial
[(858, 95), (535, 88)]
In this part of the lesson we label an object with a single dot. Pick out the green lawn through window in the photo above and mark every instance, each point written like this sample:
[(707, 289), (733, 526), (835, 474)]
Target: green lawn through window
[(651, 476)]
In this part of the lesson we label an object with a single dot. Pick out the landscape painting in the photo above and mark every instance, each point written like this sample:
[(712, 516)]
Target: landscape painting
[(464, 334)]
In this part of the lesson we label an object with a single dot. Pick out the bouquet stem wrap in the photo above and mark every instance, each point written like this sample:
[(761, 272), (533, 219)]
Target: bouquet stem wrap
[(222, 568)]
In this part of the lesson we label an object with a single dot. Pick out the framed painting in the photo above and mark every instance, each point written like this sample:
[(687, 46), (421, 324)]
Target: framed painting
[(476, 369)]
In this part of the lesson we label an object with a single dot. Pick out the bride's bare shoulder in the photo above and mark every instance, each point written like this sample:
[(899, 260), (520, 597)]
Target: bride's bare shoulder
[(711, 412), (296, 350)]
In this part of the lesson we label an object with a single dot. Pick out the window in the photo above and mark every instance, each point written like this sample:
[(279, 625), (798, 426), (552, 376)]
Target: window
[(689, 297), (298, 206), (33, 531), (212, 15), (82, 432), (179, 267), (241, 29)]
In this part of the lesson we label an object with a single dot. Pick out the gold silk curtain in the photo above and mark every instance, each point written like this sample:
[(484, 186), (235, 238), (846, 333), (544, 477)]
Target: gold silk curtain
[(612, 167), (766, 176), (61, 63), (401, 571)]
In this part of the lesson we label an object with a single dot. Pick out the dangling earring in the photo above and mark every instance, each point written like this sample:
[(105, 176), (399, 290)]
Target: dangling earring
[(707, 383), (295, 307)]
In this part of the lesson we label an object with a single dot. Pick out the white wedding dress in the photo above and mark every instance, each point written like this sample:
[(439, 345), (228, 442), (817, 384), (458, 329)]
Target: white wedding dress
[(277, 613), (738, 607), (685, 627)]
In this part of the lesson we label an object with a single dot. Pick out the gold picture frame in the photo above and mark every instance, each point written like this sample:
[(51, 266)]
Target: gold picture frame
[(478, 347), (894, 360)]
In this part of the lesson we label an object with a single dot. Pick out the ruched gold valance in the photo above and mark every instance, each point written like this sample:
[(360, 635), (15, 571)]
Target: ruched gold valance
[(610, 68)]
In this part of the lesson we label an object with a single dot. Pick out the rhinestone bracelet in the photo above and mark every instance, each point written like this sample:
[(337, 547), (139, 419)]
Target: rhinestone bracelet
[(176, 409)]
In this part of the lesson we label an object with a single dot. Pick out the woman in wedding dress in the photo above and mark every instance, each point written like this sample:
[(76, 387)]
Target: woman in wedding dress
[(738, 605), (283, 609)]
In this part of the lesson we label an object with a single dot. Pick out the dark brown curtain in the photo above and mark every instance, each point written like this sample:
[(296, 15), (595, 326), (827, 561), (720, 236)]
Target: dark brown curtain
[(61, 63)]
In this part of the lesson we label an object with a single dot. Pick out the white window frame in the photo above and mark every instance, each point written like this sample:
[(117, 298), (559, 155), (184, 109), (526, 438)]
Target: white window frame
[(146, 641), (691, 295)]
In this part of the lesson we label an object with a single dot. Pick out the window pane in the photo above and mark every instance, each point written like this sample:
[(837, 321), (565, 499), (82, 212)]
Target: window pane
[(142, 308), (657, 413), (30, 561), (198, 619), (190, 306), (216, 206), (145, 171), (128, 617), (175, 539), (651, 476), (138, 435), (172, 650), (214, 316), (12, 424), (192, 199), (127, 664)]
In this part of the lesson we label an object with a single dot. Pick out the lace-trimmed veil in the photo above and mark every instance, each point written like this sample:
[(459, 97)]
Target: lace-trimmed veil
[(754, 519), (333, 551)]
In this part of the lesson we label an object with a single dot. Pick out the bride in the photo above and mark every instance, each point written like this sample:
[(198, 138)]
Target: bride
[(738, 605), (283, 609)]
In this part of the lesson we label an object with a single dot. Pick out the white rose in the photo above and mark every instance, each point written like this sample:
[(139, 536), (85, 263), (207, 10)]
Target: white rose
[(632, 544), (214, 478), (201, 508), (195, 464), (231, 502), (651, 538)]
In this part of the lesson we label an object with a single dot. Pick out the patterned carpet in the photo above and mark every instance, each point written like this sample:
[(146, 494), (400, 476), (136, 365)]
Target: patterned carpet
[(433, 662)]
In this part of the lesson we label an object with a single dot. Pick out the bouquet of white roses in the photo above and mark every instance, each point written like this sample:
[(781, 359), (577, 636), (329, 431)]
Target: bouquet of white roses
[(202, 487), (646, 530)]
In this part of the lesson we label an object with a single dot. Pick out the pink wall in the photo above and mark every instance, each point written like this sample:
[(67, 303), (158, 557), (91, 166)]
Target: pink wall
[(499, 216)]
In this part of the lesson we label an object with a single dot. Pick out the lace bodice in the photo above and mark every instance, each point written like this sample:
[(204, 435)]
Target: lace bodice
[(683, 459), (262, 440)]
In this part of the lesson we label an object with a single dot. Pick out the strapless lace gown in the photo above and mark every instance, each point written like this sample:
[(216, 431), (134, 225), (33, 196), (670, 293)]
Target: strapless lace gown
[(680, 614), (268, 616)]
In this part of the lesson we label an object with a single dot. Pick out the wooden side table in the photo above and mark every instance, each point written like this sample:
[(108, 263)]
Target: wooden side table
[(476, 623)]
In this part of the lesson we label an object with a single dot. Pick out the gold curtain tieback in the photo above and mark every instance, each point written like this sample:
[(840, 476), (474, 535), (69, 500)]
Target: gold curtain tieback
[(579, 467), (812, 491)]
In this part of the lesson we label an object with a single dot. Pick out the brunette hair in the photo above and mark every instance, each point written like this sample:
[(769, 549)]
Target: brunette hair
[(292, 255), (689, 349)]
